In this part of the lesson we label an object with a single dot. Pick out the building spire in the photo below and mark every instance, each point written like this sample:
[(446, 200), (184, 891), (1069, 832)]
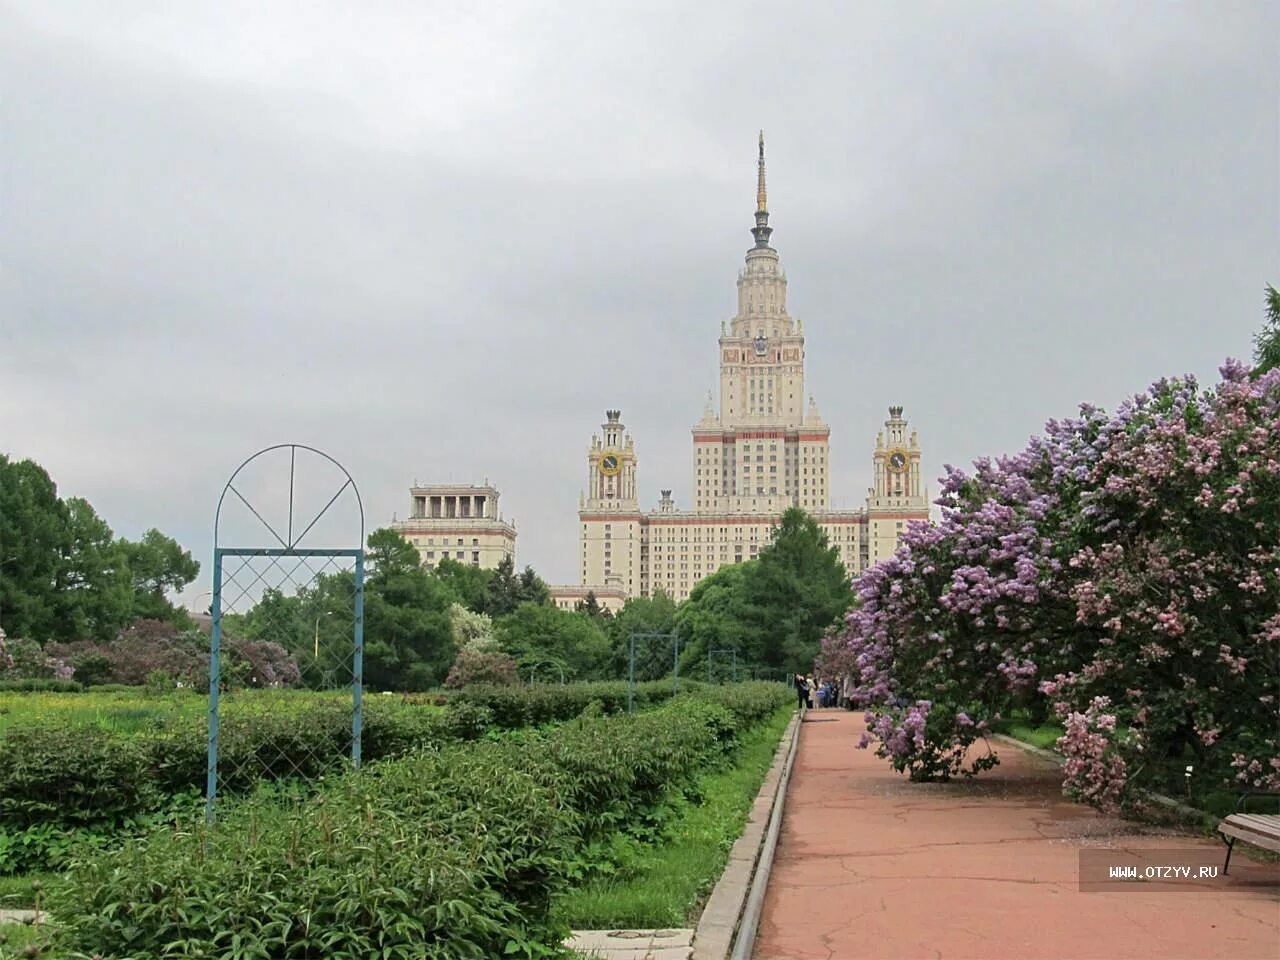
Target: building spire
[(762, 229), (762, 196)]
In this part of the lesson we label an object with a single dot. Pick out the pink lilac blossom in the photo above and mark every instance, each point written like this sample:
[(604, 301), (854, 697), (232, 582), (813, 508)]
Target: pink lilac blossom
[(1090, 558)]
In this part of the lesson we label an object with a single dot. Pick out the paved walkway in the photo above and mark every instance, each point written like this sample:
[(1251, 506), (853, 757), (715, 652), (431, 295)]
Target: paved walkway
[(870, 865)]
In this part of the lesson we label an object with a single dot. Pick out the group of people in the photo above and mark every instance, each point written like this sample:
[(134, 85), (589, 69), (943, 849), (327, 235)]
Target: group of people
[(816, 693)]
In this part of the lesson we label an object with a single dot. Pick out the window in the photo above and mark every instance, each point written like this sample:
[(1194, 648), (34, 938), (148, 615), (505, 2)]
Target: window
[(475, 558), (431, 554), (459, 544), (460, 552)]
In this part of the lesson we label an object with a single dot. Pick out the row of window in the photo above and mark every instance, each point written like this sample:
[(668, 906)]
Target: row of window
[(459, 555)]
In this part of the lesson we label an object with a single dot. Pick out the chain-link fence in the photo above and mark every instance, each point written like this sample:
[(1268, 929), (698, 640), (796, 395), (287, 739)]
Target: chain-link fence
[(652, 656), (722, 666), (287, 632)]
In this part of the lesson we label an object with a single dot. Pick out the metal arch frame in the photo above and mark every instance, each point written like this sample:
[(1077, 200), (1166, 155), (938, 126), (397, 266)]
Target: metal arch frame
[(631, 664), (288, 548), (533, 668)]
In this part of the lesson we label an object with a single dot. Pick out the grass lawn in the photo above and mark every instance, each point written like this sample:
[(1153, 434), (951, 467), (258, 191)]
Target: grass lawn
[(139, 711), (16, 892), (666, 883), (16, 937), (1044, 736)]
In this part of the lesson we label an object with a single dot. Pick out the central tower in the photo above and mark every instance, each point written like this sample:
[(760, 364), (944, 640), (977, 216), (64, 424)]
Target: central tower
[(761, 449), (764, 451)]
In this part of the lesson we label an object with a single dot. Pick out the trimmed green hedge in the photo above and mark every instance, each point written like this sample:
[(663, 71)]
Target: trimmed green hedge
[(453, 852), (531, 706), (450, 853), (59, 776)]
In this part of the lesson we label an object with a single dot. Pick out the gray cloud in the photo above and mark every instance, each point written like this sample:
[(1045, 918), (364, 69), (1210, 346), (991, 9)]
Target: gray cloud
[(437, 240)]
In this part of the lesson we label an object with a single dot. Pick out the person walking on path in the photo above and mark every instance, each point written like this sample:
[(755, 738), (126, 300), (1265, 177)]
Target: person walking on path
[(802, 690)]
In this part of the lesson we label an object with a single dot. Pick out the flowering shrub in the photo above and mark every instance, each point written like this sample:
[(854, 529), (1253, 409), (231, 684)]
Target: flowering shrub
[(472, 631), (474, 667), (1095, 770), (1122, 571), (158, 653), (26, 660)]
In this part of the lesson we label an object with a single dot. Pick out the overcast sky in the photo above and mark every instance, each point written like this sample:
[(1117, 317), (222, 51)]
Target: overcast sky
[(438, 240)]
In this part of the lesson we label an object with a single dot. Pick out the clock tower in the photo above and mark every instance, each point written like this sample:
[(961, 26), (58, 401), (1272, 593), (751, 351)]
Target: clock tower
[(898, 495), (609, 510)]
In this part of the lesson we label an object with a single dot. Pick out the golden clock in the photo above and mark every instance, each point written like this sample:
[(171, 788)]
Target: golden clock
[(610, 464), (897, 460)]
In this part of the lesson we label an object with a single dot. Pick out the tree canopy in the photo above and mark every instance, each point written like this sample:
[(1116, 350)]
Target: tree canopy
[(65, 576), (774, 610)]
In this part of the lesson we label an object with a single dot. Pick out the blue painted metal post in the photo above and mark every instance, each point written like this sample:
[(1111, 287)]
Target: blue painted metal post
[(215, 675), (357, 681)]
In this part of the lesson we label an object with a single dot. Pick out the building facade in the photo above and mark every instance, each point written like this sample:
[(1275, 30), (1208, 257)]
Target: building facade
[(569, 596), (766, 449), (459, 521)]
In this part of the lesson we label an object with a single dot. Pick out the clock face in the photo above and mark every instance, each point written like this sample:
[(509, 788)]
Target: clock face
[(897, 461), (610, 464)]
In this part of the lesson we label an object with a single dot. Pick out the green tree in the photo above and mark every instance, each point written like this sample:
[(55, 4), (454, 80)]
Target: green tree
[(505, 589), (1267, 342), (590, 605), (466, 581), (389, 554), (655, 614), (95, 584), (33, 543), (502, 592), (716, 617), (532, 588), (772, 610), (541, 631), (158, 565), (408, 636), (801, 589)]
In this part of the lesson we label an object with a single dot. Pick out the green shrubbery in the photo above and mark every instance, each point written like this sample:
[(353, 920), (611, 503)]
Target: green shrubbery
[(531, 706), (40, 685), (451, 852), (59, 776)]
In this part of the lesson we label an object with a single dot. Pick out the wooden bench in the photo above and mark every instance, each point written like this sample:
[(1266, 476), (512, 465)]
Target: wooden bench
[(1260, 829)]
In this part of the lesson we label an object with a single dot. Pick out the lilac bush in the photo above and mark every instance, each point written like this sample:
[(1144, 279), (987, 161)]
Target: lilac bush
[(22, 659), (1122, 571)]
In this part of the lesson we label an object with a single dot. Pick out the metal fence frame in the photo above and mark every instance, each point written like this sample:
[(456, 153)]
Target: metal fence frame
[(712, 654), (288, 549), (631, 664)]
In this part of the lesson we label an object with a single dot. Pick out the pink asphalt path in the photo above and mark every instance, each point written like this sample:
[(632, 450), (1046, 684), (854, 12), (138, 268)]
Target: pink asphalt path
[(870, 865)]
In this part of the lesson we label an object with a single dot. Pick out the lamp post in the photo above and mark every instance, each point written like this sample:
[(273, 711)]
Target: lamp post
[(195, 604)]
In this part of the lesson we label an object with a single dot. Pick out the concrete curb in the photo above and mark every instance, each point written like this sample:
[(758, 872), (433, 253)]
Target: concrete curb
[(733, 909)]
